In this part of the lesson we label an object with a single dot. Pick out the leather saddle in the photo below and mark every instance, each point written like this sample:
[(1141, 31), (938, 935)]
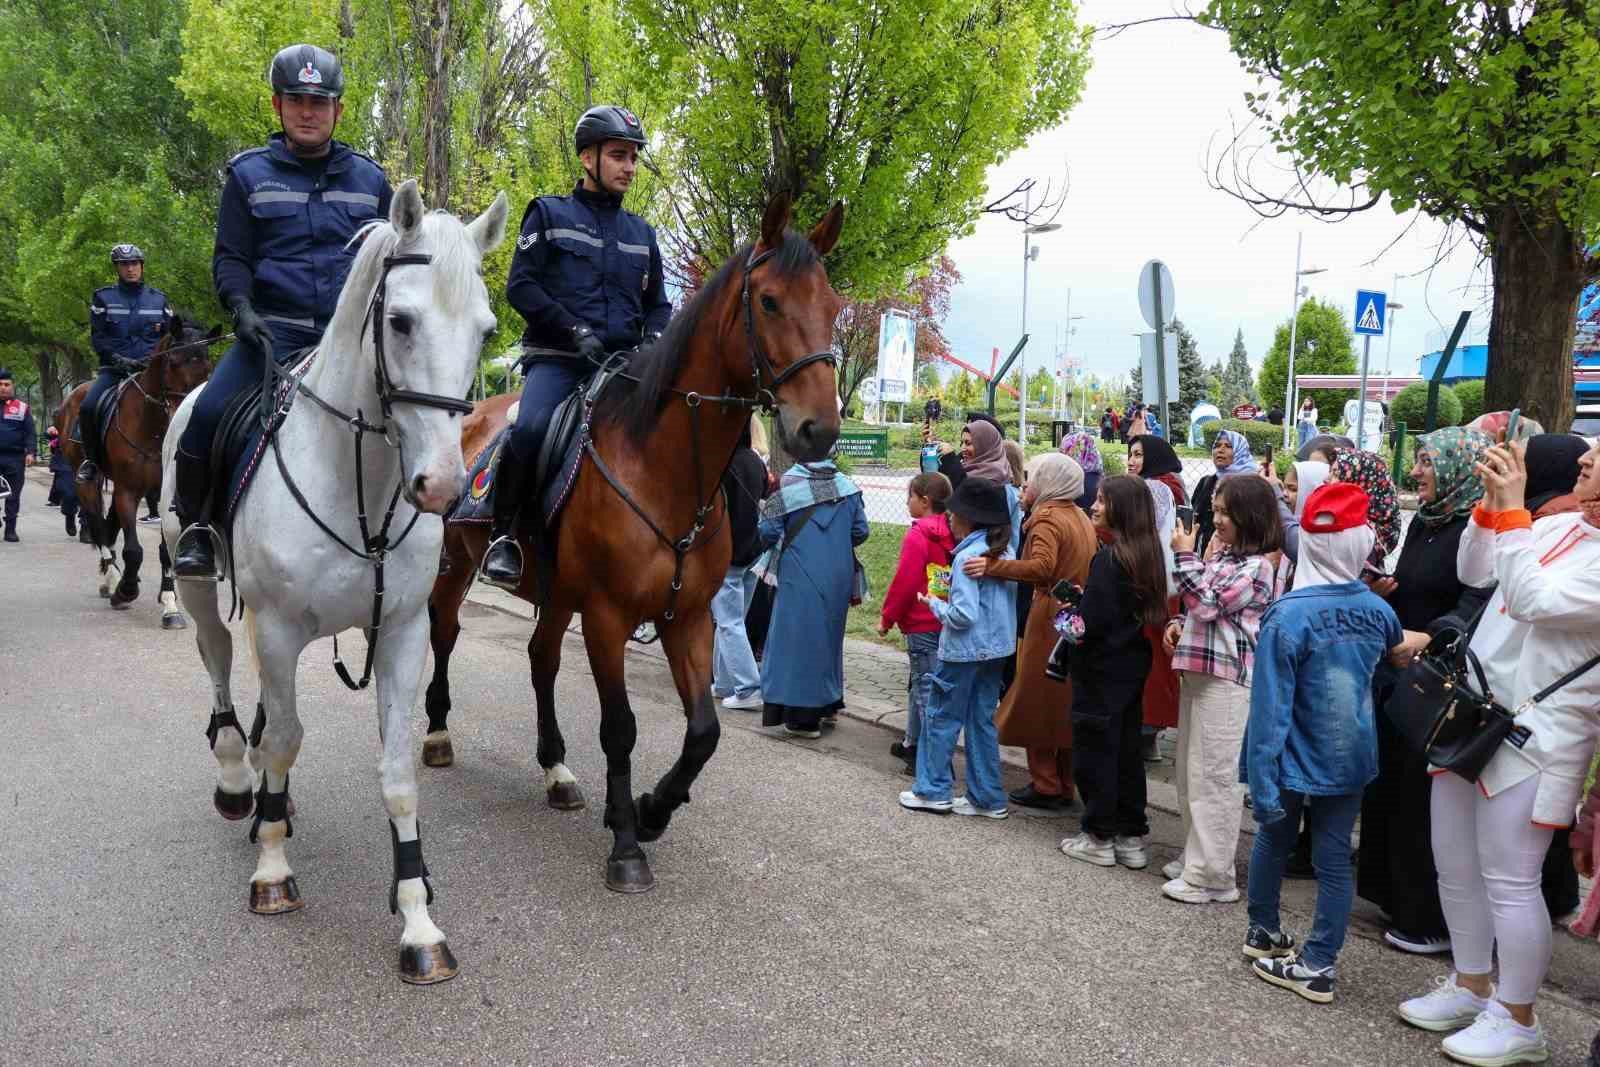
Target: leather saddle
[(242, 437)]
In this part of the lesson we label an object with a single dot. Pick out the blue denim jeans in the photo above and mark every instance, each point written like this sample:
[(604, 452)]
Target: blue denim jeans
[(923, 652), (963, 698), (1331, 820), (733, 666)]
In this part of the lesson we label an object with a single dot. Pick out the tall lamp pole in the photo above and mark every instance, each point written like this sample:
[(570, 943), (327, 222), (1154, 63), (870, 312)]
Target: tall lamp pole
[(1030, 251), (1388, 326), (1294, 322)]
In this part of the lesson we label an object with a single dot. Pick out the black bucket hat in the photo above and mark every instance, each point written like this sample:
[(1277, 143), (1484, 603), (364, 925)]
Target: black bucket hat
[(981, 502)]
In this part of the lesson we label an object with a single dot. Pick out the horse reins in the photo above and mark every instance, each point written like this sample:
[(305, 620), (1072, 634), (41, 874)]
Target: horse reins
[(170, 398), (375, 549)]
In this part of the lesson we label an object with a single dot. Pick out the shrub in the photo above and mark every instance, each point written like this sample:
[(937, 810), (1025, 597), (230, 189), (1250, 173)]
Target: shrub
[(1261, 435), (1411, 407), (1470, 393)]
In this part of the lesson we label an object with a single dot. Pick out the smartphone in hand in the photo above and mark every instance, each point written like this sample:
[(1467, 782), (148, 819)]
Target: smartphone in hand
[(1186, 516), (1066, 592), (1513, 423)]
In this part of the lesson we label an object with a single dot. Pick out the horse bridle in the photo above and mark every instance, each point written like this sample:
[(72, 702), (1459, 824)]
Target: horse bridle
[(767, 395)]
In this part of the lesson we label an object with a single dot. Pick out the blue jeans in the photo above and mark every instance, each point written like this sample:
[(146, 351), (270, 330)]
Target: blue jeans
[(240, 368), (923, 652), (549, 381), (963, 698), (1331, 820), (733, 666)]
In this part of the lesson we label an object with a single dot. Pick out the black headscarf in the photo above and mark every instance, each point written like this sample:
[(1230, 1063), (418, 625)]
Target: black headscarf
[(1552, 463), (1159, 458), (1326, 443)]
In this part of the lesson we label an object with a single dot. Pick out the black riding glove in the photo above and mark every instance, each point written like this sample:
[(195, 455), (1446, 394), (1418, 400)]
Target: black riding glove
[(588, 345), (129, 367), (249, 327)]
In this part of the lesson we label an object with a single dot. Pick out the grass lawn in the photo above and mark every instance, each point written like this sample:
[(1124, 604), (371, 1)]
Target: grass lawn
[(879, 556)]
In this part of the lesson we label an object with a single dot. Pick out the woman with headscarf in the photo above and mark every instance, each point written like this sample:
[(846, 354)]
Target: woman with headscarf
[(1396, 869), (1371, 473), (1152, 459), (1230, 452), (810, 526), (1082, 448), (1059, 545), (1552, 462), (983, 455)]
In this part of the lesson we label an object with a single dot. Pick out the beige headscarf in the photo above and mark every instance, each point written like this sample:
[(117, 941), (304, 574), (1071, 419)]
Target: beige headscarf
[(1015, 459), (1055, 477)]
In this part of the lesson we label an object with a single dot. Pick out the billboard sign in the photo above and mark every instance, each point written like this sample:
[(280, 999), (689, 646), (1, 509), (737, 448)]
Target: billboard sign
[(897, 353)]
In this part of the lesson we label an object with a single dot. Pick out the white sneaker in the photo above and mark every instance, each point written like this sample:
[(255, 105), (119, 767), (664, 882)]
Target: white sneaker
[(1090, 849), (963, 806), (1131, 853), (1173, 870), (744, 703), (1446, 1007), (1182, 891), (910, 801), (1495, 1039)]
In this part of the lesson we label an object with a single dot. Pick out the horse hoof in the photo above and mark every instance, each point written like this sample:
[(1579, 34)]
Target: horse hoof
[(427, 964), (649, 828), (175, 621), (629, 874), (105, 592), (436, 751), (121, 598), (233, 806), (275, 898), (565, 796)]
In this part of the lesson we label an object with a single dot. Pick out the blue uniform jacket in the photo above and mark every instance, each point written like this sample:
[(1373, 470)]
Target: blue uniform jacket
[(283, 227), (1311, 727), (17, 435), (583, 259), (979, 621), (126, 321)]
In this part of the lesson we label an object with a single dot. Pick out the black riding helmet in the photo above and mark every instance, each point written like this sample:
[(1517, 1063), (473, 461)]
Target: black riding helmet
[(306, 70), (126, 254), (608, 123)]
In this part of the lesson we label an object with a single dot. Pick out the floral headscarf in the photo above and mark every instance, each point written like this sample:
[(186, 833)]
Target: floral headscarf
[(1243, 461), (1454, 450), (1368, 470), (1082, 447)]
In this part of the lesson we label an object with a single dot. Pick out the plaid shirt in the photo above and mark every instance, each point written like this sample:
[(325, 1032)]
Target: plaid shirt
[(1223, 601)]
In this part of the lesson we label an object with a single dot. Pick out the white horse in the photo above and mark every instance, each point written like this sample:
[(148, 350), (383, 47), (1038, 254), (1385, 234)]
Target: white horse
[(414, 314)]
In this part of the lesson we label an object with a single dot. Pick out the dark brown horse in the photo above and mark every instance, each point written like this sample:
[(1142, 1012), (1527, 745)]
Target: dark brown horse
[(179, 362), (760, 330)]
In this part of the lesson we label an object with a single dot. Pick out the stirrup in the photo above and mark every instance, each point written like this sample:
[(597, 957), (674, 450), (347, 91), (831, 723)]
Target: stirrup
[(219, 553), (88, 472), (483, 574)]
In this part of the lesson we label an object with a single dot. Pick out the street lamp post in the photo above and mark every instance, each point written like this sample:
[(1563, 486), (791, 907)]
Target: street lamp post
[(1294, 321), (1388, 326), (1030, 251), (1066, 349)]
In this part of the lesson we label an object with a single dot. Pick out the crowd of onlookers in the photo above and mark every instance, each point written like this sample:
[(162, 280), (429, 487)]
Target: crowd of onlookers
[(1056, 608)]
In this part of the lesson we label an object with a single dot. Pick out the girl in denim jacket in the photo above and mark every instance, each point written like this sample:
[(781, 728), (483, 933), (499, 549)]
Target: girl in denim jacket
[(979, 630)]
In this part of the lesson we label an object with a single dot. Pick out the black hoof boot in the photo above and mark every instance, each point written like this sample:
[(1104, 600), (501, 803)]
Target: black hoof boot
[(653, 817), (502, 564), (124, 594), (427, 964), (629, 873), (195, 557), (233, 806)]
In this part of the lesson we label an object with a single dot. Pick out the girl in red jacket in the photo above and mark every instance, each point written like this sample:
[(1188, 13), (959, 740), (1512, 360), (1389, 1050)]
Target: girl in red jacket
[(928, 545)]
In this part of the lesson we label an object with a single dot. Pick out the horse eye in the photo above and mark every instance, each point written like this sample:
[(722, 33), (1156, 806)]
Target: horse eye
[(769, 305), (400, 324)]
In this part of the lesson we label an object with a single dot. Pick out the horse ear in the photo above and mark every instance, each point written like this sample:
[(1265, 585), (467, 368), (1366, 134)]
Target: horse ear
[(826, 233), (489, 229), (775, 220), (216, 332), (405, 211)]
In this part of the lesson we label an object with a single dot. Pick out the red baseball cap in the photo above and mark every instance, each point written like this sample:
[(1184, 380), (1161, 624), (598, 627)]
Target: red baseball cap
[(1334, 507)]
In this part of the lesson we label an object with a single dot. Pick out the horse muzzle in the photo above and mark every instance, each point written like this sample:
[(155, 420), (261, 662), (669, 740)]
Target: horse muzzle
[(434, 493)]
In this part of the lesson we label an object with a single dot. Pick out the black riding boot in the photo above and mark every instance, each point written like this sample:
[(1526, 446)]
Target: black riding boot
[(84, 433), (502, 563), (195, 557)]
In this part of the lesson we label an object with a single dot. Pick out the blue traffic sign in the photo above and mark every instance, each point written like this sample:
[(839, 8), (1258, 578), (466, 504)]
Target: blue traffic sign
[(1370, 307)]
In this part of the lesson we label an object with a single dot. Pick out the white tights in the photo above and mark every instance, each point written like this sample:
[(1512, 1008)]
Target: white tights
[(1490, 855)]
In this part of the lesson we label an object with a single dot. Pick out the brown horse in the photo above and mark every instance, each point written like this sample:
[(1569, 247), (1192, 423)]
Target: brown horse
[(759, 331), (179, 362)]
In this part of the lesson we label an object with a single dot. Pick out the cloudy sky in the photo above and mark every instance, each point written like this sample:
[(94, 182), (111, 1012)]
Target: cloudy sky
[(1135, 148)]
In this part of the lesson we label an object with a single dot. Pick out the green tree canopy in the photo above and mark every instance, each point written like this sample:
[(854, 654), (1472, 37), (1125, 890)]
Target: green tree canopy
[(1193, 380), (1322, 345), (1238, 380)]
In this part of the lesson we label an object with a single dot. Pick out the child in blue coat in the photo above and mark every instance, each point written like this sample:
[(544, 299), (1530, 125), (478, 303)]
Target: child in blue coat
[(978, 631)]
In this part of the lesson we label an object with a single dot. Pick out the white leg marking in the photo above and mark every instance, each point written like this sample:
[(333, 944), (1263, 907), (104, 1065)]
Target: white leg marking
[(169, 603), (559, 775), (273, 866), (233, 775)]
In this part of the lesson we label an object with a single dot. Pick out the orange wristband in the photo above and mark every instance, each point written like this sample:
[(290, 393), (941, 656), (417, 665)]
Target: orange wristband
[(1516, 519)]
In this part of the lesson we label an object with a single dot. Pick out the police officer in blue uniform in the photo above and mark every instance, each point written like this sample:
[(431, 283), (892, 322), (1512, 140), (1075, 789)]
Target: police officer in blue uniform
[(587, 278), (18, 442), (125, 322), (288, 211)]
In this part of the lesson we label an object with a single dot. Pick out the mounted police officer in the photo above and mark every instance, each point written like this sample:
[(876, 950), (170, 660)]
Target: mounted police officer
[(288, 211), (587, 278), (125, 322), (18, 442)]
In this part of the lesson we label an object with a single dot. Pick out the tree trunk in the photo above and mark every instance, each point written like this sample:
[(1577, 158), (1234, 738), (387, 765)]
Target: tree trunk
[(436, 36), (49, 386), (1539, 272)]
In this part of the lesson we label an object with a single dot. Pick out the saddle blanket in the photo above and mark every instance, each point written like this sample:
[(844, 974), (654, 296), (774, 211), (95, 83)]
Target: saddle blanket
[(476, 506)]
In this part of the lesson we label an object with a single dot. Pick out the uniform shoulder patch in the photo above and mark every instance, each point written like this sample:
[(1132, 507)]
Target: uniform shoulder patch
[(528, 240)]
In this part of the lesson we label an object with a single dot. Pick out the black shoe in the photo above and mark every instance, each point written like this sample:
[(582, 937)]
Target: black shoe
[(195, 558), (1299, 867), (11, 534), (1290, 973), (901, 750), (72, 525), (1029, 797), (1261, 945), (502, 564)]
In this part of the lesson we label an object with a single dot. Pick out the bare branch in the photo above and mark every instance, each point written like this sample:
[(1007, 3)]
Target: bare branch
[(1230, 171), (1116, 29), (1018, 206)]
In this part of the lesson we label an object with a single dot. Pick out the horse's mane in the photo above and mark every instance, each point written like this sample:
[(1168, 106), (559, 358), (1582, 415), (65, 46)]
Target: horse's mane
[(654, 367), (455, 264)]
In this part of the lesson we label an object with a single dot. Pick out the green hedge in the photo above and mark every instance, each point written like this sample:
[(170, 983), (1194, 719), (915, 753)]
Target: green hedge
[(1470, 393), (1411, 407), (1261, 435)]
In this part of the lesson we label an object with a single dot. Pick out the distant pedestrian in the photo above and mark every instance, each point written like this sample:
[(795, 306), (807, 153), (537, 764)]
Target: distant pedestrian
[(735, 677), (18, 442), (63, 486), (1108, 426), (926, 550), (1139, 424), (979, 630), (811, 525), (1081, 448)]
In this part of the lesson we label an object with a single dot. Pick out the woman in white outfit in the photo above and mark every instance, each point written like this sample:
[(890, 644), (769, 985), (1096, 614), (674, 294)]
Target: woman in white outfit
[(1490, 837)]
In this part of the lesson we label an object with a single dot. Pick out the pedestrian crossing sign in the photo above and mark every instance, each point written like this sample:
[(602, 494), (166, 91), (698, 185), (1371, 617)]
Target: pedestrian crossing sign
[(1370, 308)]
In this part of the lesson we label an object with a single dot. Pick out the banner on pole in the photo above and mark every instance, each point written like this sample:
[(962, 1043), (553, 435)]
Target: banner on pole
[(897, 353)]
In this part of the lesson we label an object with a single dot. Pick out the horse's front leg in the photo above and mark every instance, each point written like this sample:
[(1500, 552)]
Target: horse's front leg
[(171, 617), (272, 887), (425, 958), (125, 505), (687, 641), (235, 780), (544, 663), (605, 635)]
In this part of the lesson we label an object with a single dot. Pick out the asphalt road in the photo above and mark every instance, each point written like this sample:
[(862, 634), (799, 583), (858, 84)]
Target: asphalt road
[(800, 917)]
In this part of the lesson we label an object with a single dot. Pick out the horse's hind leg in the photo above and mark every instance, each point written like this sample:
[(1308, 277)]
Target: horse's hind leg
[(235, 779), (544, 663), (125, 506), (171, 617), (687, 641), (605, 635), (101, 534), (444, 627)]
